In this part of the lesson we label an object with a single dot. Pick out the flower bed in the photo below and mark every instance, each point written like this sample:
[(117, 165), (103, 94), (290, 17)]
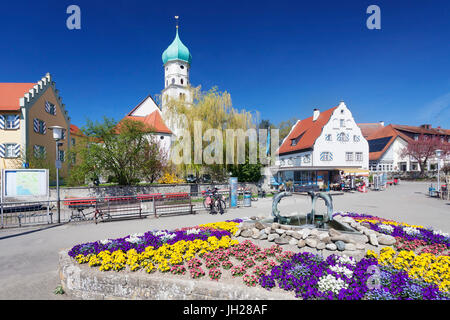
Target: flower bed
[(426, 266), (156, 239), (342, 278), (208, 251), (409, 237)]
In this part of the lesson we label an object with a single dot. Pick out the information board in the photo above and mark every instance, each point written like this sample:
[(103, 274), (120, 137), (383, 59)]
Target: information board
[(19, 183)]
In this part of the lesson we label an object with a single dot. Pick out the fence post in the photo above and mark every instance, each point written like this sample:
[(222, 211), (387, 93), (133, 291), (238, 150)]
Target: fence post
[(48, 211), (1, 211), (154, 206)]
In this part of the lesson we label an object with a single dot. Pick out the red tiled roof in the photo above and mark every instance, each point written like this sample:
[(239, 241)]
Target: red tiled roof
[(387, 131), (75, 130), (422, 130), (10, 94), (368, 129), (154, 121), (310, 131)]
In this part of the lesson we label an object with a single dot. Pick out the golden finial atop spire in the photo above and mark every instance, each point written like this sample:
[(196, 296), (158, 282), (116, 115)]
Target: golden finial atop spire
[(176, 19)]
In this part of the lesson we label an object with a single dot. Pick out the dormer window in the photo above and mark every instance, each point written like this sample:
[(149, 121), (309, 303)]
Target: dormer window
[(296, 140)]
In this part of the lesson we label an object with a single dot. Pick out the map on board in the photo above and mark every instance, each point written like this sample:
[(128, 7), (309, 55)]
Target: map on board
[(25, 182)]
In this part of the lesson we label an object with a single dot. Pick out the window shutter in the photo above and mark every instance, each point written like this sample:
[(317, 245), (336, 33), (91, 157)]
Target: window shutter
[(17, 150), (17, 122), (64, 134), (2, 122), (44, 127), (2, 150), (36, 125)]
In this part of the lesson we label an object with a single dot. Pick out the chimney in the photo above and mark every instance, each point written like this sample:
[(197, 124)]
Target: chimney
[(316, 114), (426, 126), (382, 123)]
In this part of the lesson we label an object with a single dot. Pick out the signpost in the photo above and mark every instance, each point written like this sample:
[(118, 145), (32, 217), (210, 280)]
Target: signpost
[(233, 192)]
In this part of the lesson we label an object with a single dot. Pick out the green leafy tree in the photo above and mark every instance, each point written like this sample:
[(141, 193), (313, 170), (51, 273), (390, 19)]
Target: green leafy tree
[(285, 127), (123, 151), (215, 111)]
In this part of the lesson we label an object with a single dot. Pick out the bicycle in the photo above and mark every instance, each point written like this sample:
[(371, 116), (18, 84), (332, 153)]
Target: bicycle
[(102, 216), (214, 201)]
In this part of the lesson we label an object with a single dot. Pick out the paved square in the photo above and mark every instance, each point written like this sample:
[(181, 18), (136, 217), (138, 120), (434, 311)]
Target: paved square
[(29, 256)]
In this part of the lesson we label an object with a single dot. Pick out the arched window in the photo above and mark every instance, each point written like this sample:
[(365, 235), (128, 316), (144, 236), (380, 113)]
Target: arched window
[(173, 80), (181, 80)]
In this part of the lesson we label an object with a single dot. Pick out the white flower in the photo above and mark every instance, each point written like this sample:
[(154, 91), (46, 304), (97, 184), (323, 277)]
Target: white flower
[(106, 241), (440, 233), (342, 270), (386, 228), (411, 231), (193, 231), (346, 260), (134, 238), (330, 283)]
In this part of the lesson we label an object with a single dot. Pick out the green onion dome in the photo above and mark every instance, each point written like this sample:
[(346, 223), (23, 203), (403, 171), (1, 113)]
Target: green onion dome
[(177, 51)]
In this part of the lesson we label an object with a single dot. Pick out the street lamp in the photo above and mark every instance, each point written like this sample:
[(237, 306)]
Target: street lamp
[(57, 135), (438, 156)]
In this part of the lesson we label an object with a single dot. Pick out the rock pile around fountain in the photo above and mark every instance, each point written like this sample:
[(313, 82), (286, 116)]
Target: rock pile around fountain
[(322, 240)]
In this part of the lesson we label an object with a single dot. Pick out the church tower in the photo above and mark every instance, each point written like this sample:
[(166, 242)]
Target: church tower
[(177, 63)]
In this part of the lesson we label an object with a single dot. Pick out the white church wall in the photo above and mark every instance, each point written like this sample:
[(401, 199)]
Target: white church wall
[(145, 108)]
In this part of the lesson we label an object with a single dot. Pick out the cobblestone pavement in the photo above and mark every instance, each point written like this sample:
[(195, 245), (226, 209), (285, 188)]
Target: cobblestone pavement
[(29, 256)]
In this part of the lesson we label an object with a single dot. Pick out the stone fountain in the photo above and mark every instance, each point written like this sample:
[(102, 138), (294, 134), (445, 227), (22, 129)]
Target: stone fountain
[(310, 219), (313, 230)]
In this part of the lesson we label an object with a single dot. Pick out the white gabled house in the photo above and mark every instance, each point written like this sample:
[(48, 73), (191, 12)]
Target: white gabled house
[(320, 148)]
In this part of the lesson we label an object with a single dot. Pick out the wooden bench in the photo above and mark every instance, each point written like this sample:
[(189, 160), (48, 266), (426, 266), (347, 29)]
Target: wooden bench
[(78, 205), (117, 208), (149, 197), (173, 203)]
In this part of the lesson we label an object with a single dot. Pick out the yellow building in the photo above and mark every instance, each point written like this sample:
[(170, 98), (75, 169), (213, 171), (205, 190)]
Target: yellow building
[(27, 111)]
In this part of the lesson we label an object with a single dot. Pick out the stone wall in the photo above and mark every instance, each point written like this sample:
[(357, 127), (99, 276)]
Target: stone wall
[(98, 192), (84, 282)]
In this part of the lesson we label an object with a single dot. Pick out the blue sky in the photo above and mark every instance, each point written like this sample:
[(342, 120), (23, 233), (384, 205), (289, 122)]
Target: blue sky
[(281, 58)]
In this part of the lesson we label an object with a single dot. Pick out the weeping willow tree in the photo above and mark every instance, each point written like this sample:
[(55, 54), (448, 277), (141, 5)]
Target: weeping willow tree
[(201, 128)]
